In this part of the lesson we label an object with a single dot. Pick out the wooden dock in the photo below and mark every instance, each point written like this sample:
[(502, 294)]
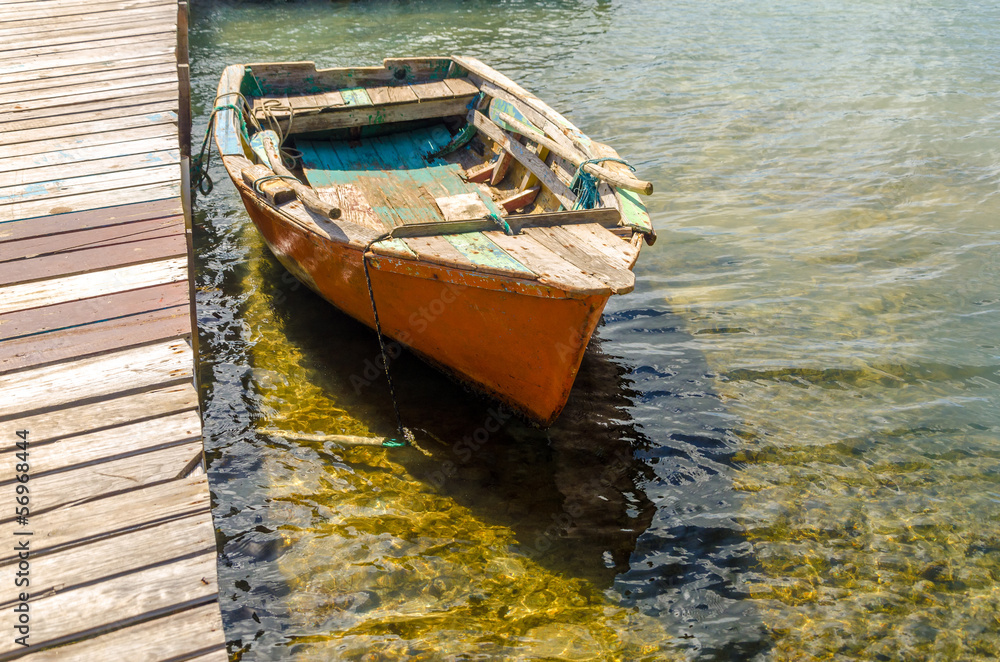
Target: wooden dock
[(97, 348)]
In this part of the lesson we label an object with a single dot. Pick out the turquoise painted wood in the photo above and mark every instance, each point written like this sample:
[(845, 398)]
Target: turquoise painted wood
[(323, 167), (633, 211), (498, 106), (396, 165)]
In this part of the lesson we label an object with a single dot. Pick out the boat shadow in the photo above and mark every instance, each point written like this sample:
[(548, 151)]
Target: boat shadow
[(575, 495)]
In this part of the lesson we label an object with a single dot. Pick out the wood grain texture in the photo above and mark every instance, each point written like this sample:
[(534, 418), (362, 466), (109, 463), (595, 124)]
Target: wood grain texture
[(84, 286), (185, 635), (66, 569), (98, 138), (96, 200), (96, 338), (141, 101), (88, 482), (117, 163), (573, 249), (119, 599), (90, 238), (154, 245), (107, 414), (113, 515), (110, 443), (104, 217), (101, 376)]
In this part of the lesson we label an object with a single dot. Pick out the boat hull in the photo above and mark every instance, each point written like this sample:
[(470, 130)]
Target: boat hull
[(517, 341)]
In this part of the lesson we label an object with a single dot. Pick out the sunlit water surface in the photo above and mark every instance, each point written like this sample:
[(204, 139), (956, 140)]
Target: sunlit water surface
[(785, 444)]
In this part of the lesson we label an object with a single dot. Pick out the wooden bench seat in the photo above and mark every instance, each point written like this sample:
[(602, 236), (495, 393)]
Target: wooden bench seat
[(360, 106)]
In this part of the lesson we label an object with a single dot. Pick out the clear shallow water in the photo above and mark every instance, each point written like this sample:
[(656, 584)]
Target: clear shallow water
[(783, 445)]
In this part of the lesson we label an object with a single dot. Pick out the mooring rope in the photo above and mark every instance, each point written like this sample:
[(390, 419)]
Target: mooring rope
[(405, 435), (584, 184)]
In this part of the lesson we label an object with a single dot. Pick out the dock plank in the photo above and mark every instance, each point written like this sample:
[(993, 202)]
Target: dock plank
[(145, 159), (95, 334), (110, 443), (179, 636), (68, 568), (164, 244), (58, 385), (86, 201), (41, 62), (118, 600), (78, 314), (83, 220), (84, 286), (90, 482), (112, 515), (82, 419), (71, 241), (96, 338), (55, 75), (101, 138), (84, 25)]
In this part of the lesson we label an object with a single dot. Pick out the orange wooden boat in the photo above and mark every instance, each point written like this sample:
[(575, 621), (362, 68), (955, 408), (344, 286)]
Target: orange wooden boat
[(455, 184)]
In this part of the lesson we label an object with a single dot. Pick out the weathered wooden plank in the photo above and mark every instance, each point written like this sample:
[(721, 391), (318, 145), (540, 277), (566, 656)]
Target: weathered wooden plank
[(436, 90), (42, 62), (27, 90), (156, 590), (164, 244), (55, 6), (596, 238), (130, 162), (84, 201), (633, 211), (83, 28), (88, 161), (164, 543), (440, 251), (351, 116), (166, 129), (551, 268), (110, 444), (15, 135), (96, 338), (83, 220), (84, 286), (21, 121), (84, 483), (520, 199), (460, 86), (401, 94), (89, 239), (355, 96), (119, 44), (178, 636), (55, 74), (57, 39), (100, 376), (112, 515), (568, 246), (13, 196), (214, 656), (525, 157), (109, 413)]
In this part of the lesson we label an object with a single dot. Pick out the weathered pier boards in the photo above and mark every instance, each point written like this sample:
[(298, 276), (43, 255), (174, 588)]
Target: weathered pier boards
[(96, 339)]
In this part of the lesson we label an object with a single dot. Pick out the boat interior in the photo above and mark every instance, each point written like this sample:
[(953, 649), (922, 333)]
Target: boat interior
[(461, 165)]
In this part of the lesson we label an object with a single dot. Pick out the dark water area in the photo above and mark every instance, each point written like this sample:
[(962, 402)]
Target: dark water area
[(784, 444)]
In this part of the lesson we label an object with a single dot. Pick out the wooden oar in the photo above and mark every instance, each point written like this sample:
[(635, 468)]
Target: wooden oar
[(506, 121), (306, 194)]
